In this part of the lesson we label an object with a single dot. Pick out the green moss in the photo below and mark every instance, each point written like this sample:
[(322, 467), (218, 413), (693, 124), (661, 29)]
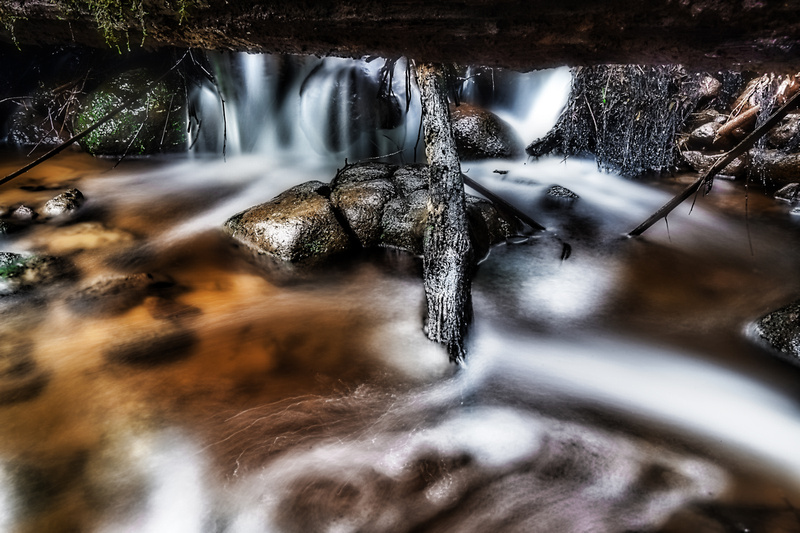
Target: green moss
[(156, 123), (12, 265), (115, 18)]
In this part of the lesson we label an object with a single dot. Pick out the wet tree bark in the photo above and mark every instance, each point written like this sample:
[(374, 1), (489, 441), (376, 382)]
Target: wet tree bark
[(447, 252)]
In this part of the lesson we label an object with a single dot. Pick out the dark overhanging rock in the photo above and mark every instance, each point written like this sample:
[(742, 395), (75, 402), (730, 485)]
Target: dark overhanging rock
[(520, 35)]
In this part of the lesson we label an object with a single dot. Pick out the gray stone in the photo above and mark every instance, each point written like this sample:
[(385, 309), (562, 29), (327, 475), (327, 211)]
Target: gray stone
[(486, 226), (411, 178), (362, 205), (298, 225), (781, 331), (24, 213), (480, 134), (558, 196), (705, 137), (360, 172), (404, 222), (64, 204)]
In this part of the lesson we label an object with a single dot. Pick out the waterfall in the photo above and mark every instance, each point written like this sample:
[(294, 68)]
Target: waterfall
[(338, 108)]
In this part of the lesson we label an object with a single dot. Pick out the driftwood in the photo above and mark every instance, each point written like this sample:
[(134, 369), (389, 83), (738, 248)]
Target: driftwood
[(721, 163), (447, 251), (743, 120)]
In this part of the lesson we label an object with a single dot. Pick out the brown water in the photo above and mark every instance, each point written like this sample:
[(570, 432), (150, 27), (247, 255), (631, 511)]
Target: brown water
[(616, 391)]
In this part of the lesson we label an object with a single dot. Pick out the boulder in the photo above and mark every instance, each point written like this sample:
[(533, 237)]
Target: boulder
[(481, 134), (368, 205), (362, 204), (155, 123), (64, 204), (404, 220), (411, 178), (361, 172), (780, 330), (298, 225)]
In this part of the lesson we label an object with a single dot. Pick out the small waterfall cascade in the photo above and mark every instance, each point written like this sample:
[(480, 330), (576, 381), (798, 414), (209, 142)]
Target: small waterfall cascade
[(351, 108)]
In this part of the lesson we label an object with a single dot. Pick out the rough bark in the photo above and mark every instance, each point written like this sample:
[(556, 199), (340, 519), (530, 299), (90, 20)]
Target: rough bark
[(447, 251), (512, 33)]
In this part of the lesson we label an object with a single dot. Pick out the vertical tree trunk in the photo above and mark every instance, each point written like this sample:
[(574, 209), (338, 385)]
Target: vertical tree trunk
[(448, 256)]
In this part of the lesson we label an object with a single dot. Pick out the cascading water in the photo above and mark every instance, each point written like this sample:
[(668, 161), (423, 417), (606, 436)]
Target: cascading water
[(612, 391)]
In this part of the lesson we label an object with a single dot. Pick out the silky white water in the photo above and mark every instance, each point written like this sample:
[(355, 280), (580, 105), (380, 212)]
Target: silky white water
[(616, 390)]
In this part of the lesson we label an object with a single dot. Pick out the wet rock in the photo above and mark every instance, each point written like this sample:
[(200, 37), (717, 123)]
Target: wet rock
[(28, 128), (557, 196), (486, 226), (115, 295), (299, 225), (362, 204), (780, 330), (704, 116), (361, 172), (411, 178), (785, 131), (709, 87), (779, 166), (705, 137), (24, 213), (153, 124), (701, 162), (480, 134), (64, 204), (790, 193), (404, 221), (20, 272)]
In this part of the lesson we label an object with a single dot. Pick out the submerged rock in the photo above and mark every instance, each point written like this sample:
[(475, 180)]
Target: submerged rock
[(115, 295), (780, 329), (20, 272), (557, 196), (296, 226), (65, 204), (481, 134)]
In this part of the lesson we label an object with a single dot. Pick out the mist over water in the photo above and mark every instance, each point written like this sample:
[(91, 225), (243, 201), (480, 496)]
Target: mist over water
[(613, 391)]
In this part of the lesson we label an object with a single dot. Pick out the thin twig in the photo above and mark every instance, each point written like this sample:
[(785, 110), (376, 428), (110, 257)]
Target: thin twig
[(502, 203), (720, 164)]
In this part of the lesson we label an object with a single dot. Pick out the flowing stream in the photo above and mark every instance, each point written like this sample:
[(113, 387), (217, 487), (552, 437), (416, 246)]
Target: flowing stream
[(617, 390)]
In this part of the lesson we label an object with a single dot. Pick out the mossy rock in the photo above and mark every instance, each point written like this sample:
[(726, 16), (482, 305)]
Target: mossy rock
[(155, 123), (20, 272)]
